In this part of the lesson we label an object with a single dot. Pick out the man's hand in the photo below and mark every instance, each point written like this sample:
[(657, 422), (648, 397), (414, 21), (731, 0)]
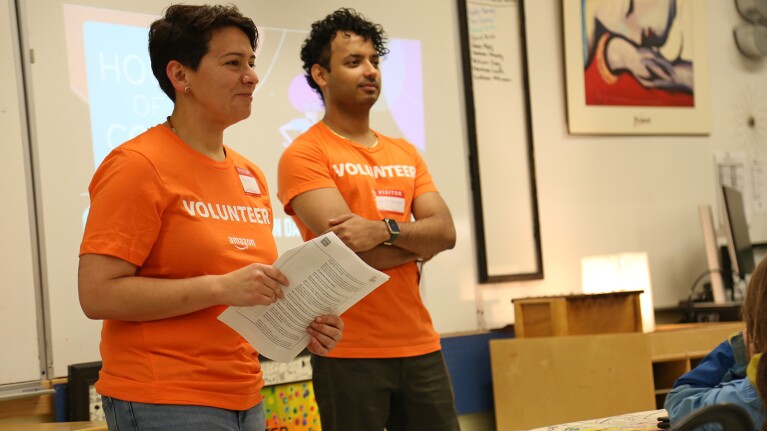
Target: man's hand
[(359, 234)]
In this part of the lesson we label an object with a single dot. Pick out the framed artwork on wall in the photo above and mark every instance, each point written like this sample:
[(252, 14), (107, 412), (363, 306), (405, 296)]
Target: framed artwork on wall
[(636, 67)]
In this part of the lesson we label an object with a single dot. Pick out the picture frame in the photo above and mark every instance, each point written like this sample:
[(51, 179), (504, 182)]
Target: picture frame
[(499, 134), (634, 73), (82, 377)]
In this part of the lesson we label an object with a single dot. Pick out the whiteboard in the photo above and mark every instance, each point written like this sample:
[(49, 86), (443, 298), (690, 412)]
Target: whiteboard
[(20, 357), (500, 139), (84, 49)]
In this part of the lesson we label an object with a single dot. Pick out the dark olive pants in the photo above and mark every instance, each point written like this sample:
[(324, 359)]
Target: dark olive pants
[(399, 394)]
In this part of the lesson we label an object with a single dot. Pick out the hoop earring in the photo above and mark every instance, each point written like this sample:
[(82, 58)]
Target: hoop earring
[(187, 90)]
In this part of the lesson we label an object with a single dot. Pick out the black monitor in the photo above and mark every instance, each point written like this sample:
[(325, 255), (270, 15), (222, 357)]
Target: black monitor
[(740, 251)]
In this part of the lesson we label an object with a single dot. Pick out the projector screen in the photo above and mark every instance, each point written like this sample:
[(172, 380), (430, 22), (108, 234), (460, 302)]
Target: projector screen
[(91, 88), (110, 70)]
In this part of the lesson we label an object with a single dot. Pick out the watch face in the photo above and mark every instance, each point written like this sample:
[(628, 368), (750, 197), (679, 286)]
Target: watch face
[(393, 226)]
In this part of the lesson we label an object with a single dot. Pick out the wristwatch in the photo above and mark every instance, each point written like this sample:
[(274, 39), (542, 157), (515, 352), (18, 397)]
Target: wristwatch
[(393, 228)]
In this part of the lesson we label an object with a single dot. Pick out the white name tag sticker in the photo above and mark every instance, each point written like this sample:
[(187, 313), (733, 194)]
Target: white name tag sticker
[(392, 201), (249, 183)]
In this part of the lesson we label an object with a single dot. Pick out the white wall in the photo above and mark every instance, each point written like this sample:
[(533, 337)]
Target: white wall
[(603, 195), (597, 195)]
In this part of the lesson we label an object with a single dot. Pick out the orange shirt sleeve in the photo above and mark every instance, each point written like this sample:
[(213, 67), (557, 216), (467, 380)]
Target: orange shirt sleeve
[(124, 217), (302, 167), (423, 181)]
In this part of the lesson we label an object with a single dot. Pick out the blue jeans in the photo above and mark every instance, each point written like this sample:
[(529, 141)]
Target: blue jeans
[(130, 416)]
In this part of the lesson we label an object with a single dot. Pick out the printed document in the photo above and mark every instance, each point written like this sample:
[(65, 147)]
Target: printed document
[(325, 277)]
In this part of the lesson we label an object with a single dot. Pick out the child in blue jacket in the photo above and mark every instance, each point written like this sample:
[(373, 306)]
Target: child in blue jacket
[(732, 372)]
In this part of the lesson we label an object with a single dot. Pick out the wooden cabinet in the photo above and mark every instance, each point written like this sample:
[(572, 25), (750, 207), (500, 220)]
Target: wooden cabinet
[(598, 313), (549, 380)]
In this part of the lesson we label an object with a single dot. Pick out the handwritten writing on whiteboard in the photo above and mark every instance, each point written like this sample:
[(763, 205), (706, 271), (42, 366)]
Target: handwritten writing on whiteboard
[(488, 52)]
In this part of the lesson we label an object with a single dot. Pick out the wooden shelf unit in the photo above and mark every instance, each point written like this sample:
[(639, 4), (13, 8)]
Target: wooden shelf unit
[(543, 381), (678, 350)]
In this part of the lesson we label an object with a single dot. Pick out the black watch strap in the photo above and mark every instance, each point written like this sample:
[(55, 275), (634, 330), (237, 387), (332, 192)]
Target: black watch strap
[(393, 228)]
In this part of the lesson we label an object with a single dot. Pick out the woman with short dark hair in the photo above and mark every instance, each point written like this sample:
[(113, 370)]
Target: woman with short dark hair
[(161, 255)]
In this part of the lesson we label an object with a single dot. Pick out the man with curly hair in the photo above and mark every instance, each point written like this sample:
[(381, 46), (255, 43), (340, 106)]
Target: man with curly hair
[(376, 194)]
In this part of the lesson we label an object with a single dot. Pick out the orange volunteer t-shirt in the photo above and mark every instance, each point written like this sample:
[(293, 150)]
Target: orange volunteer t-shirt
[(175, 213), (377, 182)]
